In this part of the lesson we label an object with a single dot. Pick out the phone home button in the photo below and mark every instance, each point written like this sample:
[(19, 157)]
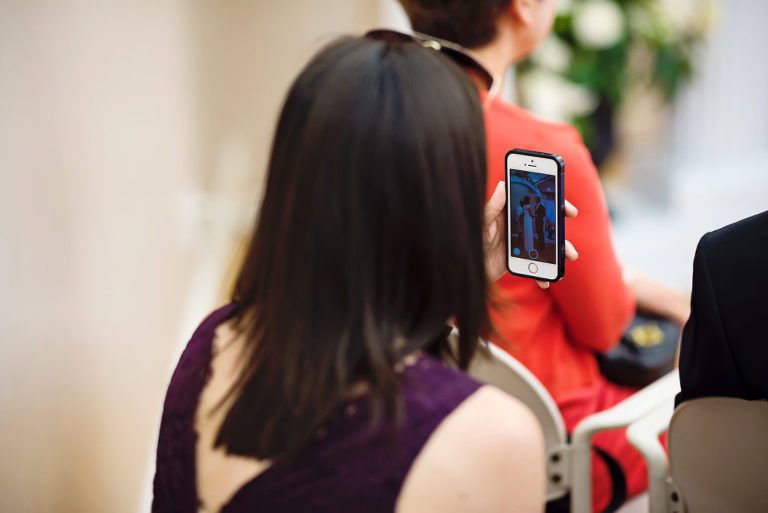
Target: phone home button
[(533, 268)]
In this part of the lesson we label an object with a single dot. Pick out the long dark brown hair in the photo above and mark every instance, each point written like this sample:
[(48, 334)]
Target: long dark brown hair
[(368, 241)]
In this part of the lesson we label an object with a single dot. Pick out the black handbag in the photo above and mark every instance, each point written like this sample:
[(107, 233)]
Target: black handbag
[(646, 352)]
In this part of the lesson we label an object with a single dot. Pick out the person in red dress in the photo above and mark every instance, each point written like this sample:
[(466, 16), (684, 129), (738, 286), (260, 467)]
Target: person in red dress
[(555, 332)]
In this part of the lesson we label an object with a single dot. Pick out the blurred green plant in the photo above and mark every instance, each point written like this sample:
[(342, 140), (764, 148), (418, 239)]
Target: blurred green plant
[(600, 49)]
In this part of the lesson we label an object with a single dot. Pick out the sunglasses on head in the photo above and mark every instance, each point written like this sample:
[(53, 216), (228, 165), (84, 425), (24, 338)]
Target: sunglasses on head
[(456, 53)]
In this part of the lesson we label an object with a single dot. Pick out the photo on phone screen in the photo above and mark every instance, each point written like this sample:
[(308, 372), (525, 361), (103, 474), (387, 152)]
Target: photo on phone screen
[(533, 208)]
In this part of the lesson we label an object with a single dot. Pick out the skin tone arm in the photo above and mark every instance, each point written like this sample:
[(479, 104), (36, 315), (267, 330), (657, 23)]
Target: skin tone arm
[(488, 455), (655, 297)]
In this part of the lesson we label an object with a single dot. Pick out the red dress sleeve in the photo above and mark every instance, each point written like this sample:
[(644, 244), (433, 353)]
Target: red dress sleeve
[(593, 298)]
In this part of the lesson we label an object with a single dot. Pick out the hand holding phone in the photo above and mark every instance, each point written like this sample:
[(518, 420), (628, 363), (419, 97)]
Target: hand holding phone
[(495, 235), (535, 215)]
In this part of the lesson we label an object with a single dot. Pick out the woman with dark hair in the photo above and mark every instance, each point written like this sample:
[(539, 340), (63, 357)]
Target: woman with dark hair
[(322, 385)]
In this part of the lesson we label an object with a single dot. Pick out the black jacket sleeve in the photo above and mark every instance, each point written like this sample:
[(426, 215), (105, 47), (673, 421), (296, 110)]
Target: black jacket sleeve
[(707, 364)]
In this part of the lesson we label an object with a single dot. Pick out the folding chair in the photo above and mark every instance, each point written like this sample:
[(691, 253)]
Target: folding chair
[(718, 456), (643, 434), (568, 463)]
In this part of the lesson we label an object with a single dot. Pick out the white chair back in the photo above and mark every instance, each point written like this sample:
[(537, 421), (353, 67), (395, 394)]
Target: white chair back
[(503, 371), (718, 456)]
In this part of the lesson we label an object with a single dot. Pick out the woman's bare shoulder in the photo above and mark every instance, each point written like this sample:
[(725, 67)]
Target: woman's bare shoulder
[(488, 455)]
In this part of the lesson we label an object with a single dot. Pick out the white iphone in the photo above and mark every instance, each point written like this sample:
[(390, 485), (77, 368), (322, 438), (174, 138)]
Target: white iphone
[(535, 214)]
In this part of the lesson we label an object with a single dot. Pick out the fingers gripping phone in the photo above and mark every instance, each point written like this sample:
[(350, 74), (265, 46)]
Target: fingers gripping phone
[(535, 214)]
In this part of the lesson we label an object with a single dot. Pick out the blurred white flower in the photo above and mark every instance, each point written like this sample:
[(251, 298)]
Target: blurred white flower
[(553, 97), (597, 23), (680, 14), (682, 18), (553, 54)]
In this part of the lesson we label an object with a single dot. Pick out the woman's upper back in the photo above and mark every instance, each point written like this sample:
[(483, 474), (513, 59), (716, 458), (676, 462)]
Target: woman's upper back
[(348, 466)]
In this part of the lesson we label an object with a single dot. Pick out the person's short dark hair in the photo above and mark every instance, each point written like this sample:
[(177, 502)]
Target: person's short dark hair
[(369, 239), (527, 200), (470, 23)]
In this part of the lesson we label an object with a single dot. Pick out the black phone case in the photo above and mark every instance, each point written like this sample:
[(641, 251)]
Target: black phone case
[(561, 205)]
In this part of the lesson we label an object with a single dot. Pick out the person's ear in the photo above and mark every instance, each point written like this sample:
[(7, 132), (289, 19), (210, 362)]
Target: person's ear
[(522, 11)]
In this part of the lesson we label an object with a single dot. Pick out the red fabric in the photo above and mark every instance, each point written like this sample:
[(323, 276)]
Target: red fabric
[(556, 332)]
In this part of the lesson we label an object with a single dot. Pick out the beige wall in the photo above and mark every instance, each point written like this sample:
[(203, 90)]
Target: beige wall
[(132, 139), (96, 135)]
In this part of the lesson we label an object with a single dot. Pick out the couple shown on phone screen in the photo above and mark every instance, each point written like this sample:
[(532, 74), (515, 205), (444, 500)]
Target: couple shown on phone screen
[(532, 196)]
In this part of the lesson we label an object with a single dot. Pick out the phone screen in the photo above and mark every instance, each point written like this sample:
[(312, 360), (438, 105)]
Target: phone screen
[(533, 211)]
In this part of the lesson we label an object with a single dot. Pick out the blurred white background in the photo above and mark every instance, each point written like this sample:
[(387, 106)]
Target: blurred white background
[(712, 164), (133, 138)]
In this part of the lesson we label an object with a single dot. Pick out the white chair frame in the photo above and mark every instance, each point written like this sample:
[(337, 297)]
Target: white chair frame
[(569, 464), (738, 425)]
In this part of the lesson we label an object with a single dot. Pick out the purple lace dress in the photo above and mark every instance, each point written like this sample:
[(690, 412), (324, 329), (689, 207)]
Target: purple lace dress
[(347, 467)]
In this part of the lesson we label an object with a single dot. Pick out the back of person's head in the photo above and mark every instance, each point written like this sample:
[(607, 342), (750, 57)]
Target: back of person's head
[(470, 23), (369, 239), (520, 25)]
